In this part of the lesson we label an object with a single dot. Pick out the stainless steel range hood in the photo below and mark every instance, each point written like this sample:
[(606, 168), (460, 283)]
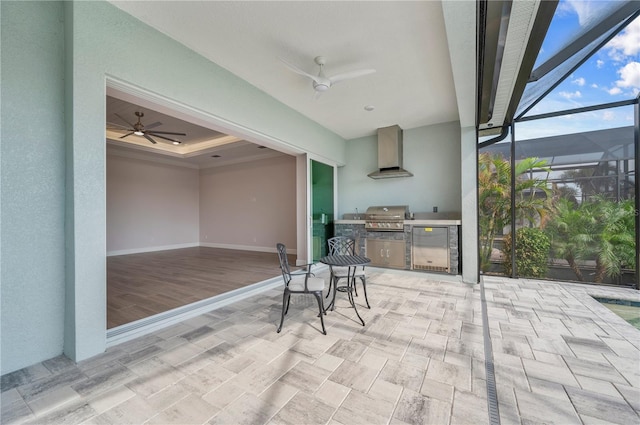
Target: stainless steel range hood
[(390, 154)]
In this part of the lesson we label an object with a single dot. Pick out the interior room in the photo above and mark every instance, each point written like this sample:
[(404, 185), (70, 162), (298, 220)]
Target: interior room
[(206, 201)]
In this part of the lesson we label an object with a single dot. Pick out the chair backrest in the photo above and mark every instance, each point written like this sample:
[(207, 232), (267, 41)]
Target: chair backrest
[(341, 245), (284, 263)]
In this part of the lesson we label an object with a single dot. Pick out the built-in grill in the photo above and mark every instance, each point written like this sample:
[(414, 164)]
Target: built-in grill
[(386, 218)]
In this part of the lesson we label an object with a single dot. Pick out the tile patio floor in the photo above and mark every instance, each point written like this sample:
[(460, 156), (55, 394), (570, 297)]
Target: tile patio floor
[(558, 357)]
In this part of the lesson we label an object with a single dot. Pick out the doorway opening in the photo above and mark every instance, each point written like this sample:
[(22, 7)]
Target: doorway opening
[(189, 224)]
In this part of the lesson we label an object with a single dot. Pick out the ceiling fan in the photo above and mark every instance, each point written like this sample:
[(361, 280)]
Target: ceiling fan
[(322, 83), (140, 130)]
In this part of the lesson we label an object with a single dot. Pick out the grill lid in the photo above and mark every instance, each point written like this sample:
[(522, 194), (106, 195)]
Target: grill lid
[(388, 213)]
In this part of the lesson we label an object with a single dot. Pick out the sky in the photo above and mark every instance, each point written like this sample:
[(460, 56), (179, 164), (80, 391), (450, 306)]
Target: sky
[(610, 75)]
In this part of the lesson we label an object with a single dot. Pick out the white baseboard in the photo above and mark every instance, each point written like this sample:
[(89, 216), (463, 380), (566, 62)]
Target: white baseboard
[(152, 249), (245, 247)]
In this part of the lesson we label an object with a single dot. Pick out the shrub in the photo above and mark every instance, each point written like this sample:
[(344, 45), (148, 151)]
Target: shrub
[(532, 252)]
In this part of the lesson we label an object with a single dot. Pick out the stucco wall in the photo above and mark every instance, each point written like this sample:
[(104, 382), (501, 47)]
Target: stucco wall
[(431, 153), (469, 164), (32, 183)]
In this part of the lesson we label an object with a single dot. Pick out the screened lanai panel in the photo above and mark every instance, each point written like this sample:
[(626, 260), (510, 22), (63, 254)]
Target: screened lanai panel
[(573, 151), (585, 189), (599, 145), (535, 90), (565, 37), (577, 31), (494, 206)]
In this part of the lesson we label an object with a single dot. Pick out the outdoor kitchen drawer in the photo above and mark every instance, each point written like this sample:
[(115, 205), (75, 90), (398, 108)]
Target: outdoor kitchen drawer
[(386, 253)]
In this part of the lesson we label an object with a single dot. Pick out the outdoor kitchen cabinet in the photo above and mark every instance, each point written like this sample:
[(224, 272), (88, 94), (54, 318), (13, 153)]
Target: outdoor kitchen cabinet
[(402, 245), (386, 253)]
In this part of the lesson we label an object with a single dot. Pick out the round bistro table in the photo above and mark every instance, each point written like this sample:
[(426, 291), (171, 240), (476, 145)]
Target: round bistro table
[(350, 261)]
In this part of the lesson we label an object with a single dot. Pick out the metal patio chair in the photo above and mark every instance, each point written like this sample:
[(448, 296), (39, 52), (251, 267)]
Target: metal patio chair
[(302, 282), (342, 245)]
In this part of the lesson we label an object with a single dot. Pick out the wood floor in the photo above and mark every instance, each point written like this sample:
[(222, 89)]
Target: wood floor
[(141, 285)]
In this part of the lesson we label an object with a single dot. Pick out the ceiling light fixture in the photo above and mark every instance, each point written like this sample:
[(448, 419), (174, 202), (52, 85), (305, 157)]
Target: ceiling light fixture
[(177, 142), (369, 108), (138, 133)]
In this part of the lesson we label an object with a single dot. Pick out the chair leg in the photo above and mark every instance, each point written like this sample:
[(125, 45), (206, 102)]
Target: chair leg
[(335, 289), (318, 296), (330, 281), (364, 287), (284, 302), (288, 302), (350, 285)]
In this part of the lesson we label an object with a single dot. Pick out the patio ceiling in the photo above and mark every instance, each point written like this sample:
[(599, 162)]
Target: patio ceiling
[(423, 53), (405, 42)]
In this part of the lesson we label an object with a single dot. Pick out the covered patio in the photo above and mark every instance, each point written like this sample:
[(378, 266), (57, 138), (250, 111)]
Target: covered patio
[(555, 355)]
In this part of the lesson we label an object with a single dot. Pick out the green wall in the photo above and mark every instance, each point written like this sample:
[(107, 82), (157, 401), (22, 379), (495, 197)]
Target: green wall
[(56, 59)]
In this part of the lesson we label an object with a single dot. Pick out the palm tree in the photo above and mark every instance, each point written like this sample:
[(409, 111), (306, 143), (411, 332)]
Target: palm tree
[(494, 197), (568, 231), (600, 230), (615, 240), (494, 181)]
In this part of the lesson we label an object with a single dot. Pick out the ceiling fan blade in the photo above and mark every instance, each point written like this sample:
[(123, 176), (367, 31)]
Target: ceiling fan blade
[(120, 127), (131, 125), (165, 138), (146, 136), (299, 71), (154, 125), (166, 132), (128, 134), (351, 74)]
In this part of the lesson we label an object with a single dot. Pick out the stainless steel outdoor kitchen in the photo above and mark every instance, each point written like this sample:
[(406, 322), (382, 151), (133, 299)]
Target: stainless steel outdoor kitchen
[(391, 236)]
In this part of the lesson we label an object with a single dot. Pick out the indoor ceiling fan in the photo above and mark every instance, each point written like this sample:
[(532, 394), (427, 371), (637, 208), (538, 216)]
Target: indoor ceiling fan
[(322, 83), (140, 130)]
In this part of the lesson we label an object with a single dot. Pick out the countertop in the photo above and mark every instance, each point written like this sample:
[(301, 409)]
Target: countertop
[(420, 222)]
